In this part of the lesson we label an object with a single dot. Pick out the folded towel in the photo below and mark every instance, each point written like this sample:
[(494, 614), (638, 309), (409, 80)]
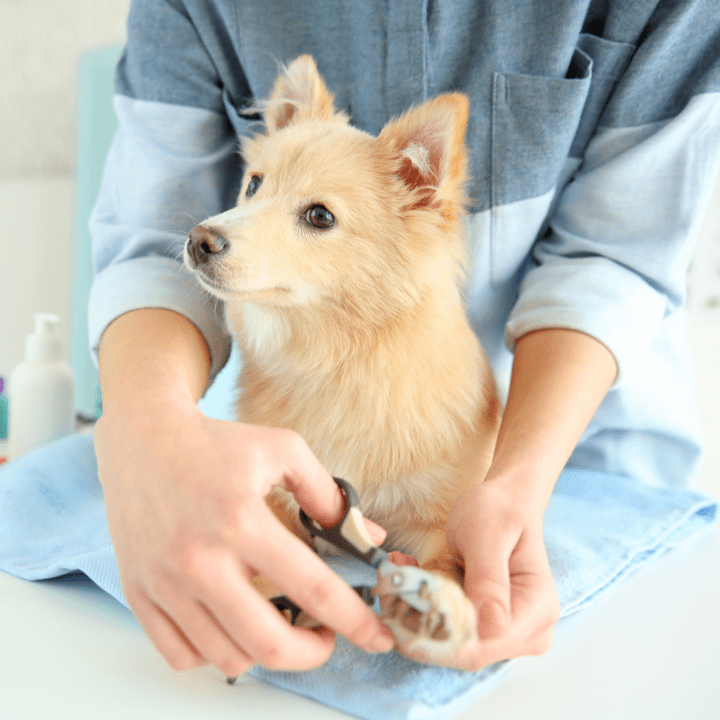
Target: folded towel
[(598, 528)]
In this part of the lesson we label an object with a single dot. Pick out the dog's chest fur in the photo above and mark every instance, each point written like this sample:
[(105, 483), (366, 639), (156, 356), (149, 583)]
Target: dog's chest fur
[(399, 413)]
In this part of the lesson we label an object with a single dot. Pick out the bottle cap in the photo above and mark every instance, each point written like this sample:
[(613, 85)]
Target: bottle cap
[(44, 343)]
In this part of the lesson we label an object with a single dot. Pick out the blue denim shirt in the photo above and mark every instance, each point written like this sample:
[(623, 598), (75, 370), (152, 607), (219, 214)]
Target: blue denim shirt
[(593, 141)]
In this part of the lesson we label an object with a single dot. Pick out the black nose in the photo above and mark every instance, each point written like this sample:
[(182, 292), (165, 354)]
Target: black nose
[(204, 243)]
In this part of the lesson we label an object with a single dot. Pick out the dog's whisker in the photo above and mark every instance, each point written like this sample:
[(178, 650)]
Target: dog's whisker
[(192, 219)]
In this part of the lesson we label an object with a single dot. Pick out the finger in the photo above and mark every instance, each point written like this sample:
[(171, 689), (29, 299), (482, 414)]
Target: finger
[(165, 635), (487, 584), (529, 633), (203, 631), (534, 609), (232, 625), (303, 576), (265, 636), (377, 533), (535, 600), (315, 490), (313, 487)]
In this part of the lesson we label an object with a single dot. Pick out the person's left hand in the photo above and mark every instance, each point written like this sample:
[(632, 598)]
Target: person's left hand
[(498, 538)]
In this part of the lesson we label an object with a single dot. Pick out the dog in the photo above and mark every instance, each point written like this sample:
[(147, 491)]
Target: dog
[(342, 271)]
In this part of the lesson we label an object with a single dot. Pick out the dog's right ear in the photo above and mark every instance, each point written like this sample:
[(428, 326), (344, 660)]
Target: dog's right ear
[(299, 94), (427, 143)]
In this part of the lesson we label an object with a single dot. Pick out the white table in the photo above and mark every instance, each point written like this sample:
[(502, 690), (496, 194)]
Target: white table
[(649, 650)]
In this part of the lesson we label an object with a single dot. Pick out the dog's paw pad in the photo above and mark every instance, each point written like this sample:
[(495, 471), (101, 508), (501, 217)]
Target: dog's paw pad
[(448, 627)]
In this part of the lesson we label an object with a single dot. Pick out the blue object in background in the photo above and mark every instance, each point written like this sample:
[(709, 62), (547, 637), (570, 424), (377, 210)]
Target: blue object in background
[(96, 126), (3, 411)]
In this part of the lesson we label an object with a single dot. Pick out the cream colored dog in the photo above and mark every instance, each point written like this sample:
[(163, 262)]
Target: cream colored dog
[(341, 269)]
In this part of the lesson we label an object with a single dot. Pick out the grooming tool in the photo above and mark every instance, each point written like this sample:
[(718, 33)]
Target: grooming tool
[(409, 583), (419, 590)]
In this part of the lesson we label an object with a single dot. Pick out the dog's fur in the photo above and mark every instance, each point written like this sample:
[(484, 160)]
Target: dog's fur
[(355, 336)]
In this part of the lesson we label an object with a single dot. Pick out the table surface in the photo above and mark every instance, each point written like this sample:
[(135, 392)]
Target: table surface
[(649, 649)]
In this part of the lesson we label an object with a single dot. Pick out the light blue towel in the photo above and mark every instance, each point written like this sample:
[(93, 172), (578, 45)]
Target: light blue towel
[(598, 529)]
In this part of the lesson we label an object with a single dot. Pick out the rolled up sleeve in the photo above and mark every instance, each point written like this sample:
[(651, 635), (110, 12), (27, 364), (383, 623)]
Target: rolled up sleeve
[(614, 260), (166, 171)]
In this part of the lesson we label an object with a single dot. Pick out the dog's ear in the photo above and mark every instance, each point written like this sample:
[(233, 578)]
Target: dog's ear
[(427, 142), (299, 93)]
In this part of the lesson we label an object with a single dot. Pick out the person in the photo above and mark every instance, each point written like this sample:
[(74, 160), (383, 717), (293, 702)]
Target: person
[(593, 142)]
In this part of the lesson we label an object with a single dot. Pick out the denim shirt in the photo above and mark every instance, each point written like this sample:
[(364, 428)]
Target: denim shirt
[(594, 143)]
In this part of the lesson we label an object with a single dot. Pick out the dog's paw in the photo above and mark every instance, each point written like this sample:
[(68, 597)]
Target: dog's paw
[(437, 635)]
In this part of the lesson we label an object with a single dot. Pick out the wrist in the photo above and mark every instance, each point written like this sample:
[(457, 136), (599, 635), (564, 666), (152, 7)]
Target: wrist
[(142, 430), (151, 359), (530, 484), (152, 405), (499, 508)]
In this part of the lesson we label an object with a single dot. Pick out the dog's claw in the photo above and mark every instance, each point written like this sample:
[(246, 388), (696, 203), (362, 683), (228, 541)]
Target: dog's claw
[(445, 627)]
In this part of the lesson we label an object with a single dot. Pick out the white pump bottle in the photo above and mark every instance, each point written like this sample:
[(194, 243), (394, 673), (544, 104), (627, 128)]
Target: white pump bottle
[(41, 391)]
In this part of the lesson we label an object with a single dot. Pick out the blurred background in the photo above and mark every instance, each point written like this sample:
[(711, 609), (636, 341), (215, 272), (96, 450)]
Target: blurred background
[(43, 46)]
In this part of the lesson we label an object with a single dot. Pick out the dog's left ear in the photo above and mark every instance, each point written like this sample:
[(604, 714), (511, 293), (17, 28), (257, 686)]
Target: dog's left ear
[(428, 144), (299, 94)]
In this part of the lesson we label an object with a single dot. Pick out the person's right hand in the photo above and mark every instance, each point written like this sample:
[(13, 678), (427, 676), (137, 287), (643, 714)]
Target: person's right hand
[(184, 498)]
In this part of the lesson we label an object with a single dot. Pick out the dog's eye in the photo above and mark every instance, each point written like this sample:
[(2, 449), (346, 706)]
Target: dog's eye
[(253, 185), (319, 216)]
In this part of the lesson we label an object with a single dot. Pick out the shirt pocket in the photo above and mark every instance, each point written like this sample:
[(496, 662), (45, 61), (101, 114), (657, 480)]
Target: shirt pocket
[(534, 121), (541, 127), (610, 59)]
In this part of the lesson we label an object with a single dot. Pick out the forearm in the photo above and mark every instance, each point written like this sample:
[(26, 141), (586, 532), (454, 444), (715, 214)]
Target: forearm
[(152, 355), (559, 379)]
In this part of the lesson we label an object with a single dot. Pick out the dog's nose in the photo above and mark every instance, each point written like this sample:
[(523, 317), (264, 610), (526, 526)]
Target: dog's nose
[(204, 243)]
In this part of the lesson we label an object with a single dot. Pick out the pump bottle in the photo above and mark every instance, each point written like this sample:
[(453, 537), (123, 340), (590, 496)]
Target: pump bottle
[(41, 391)]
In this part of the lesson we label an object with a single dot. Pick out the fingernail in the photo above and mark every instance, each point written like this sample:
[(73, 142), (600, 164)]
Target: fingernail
[(377, 534), (382, 643)]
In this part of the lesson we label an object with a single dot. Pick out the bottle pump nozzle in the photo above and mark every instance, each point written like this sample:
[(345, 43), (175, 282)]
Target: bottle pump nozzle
[(44, 343)]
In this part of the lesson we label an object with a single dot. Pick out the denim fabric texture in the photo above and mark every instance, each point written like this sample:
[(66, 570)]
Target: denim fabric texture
[(379, 58)]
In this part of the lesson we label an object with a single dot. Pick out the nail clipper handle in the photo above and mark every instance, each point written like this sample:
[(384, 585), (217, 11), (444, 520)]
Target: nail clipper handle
[(349, 533)]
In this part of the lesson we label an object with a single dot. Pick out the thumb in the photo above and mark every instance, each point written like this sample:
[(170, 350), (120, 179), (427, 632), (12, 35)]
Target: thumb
[(487, 585)]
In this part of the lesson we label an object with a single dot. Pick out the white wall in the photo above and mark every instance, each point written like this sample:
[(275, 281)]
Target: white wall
[(36, 216), (40, 43), (704, 305)]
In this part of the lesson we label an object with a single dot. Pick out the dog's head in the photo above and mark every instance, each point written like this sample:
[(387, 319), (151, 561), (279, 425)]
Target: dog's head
[(331, 217)]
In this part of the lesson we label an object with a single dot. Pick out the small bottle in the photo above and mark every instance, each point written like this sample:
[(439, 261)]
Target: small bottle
[(41, 391)]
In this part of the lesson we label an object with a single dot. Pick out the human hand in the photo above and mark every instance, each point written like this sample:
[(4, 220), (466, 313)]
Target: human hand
[(184, 498), (497, 535)]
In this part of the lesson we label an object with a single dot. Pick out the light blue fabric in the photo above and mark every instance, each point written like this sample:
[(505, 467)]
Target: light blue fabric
[(598, 529)]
